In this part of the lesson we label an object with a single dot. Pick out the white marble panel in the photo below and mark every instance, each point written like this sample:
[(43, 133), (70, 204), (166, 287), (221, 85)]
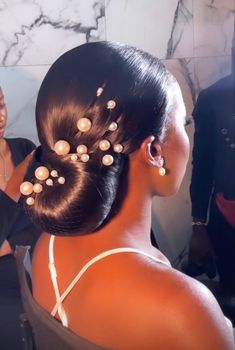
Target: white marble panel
[(37, 32), (183, 71), (213, 27), (210, 69), (20, 86), (163, 28)]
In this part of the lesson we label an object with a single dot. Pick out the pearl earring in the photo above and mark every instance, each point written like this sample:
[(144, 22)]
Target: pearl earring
[(161, 170)]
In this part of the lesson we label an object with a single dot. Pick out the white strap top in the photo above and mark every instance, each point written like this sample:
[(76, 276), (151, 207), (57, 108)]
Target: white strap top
[(60, 298)]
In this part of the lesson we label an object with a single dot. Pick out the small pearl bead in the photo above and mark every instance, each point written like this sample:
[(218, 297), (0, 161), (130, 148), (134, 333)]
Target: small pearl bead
[(74, 157), (37, 188), (85, 157), (30, 200), (84, 124), (107, 159), (99, 91), (26, 188), (54, 173), (62, 147), (82, 149), (162, 171), (104, 145), (61, 180), (118, 148), (41, 173), (49, 182), (113, 126), (111, 104)]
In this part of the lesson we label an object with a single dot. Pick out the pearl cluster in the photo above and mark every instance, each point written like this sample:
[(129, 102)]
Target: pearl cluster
[(42, 174), (62, 148), (84, 124)]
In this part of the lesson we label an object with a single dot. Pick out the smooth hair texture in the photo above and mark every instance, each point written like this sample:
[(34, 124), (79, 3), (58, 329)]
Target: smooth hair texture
[(138, 83)]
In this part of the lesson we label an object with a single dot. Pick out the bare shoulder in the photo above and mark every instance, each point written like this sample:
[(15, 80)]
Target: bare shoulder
[(185, 311)]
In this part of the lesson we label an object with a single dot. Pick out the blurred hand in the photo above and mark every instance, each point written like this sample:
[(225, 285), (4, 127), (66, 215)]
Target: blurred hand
[(13, 185), (5, 248)]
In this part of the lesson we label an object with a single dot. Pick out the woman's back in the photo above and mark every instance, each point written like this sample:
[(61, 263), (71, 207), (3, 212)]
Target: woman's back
[(128, 301)]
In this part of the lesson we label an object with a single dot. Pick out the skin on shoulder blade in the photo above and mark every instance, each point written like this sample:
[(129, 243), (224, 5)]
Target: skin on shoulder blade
[(111, 120)]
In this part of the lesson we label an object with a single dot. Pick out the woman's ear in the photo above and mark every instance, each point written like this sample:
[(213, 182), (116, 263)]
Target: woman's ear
[(151, 151)]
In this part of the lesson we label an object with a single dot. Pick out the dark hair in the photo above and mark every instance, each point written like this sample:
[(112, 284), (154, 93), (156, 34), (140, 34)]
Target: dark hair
[(138, 83)]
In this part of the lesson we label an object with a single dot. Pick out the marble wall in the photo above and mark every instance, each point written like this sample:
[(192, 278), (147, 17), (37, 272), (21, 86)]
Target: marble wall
[(192, 37)]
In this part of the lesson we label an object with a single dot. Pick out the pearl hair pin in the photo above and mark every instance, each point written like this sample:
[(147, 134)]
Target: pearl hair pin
[(84, 124), (104, 145), (113, 126), (42, 174), (111, 104), (99, 91), (85, 157), (107, 160), (81, 149), (74, 157), (30, 200), (37, 188), (62, 147), (49, 182), (54, 173), (26, 188), (118, 148)]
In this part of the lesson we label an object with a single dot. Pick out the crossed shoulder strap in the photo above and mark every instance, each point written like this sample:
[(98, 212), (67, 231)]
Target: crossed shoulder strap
[(60, 298)]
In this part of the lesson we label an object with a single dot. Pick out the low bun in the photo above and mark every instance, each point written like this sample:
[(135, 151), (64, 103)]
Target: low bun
[(83, 202)]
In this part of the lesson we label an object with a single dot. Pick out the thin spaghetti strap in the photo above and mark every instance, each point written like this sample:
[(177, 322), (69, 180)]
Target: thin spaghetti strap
[(53, 272), (94, 260)]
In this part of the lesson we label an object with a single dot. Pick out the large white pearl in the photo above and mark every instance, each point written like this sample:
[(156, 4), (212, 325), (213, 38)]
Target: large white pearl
[(41, 173), (26, 188), (85, 157), (30, 200), (62, 147), (82, 149), (104, 145), (37, 188), (107, 159), (84, 124), (118, 148), (113, 126)]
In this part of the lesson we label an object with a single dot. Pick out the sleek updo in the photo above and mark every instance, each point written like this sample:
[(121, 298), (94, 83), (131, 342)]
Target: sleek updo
[(138, 83)]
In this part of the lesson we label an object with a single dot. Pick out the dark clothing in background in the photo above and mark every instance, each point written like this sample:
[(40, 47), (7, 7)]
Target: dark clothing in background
[(17, 228), (214, 169)]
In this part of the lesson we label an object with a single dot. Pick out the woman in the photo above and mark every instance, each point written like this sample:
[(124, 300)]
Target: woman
[(15, 228), (111, 122)]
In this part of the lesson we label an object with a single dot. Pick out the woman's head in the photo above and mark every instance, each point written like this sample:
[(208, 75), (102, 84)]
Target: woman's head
[(3, 114), (139, 85)]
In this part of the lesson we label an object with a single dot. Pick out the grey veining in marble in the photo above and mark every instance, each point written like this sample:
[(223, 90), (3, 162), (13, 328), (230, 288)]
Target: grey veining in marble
[(37, 32)]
